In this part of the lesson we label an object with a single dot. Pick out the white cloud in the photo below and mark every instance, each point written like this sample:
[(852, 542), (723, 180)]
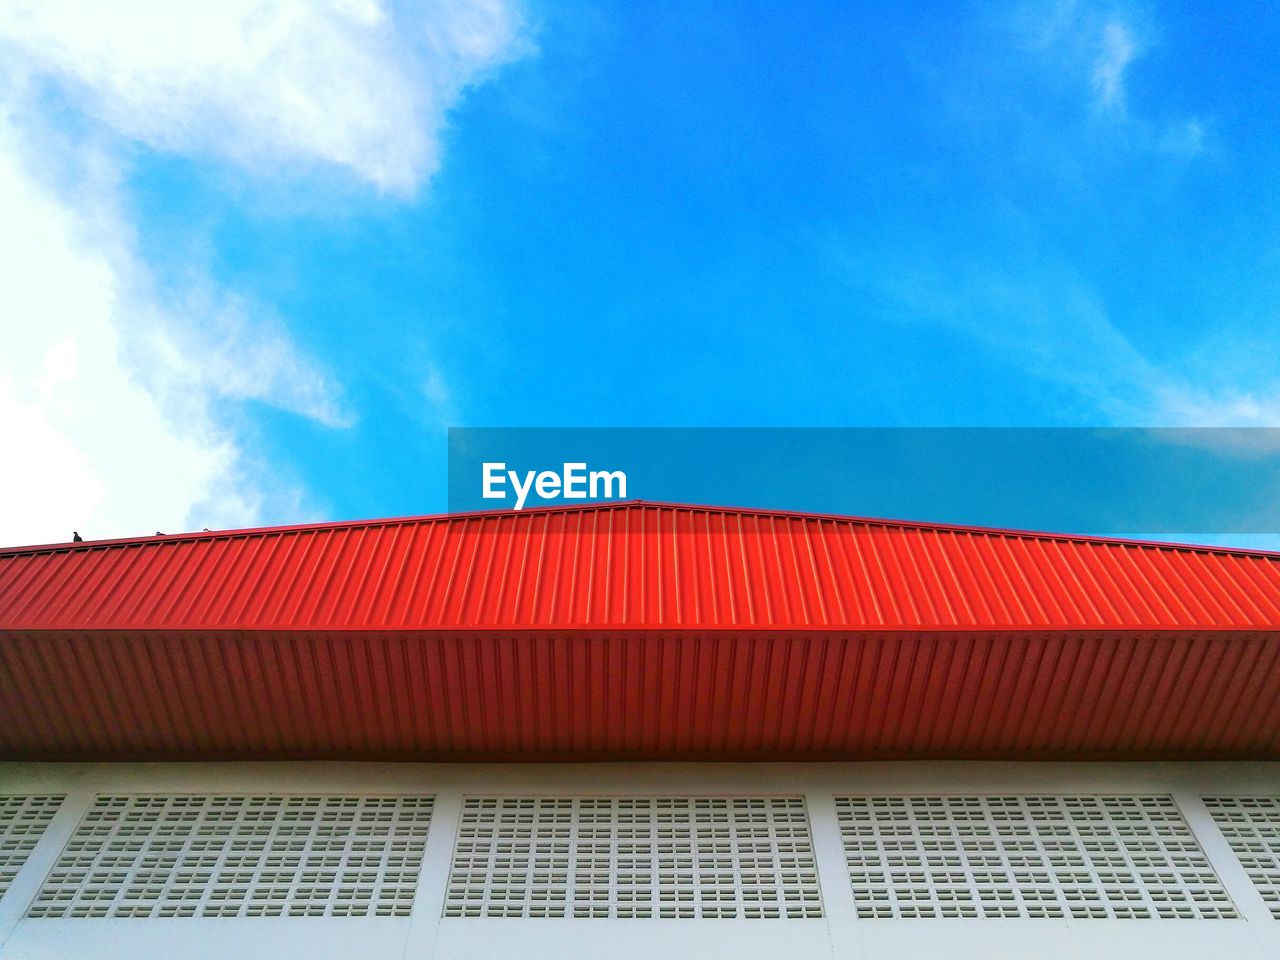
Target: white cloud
[(439, 401), (1118, 49), (1094, 48), (1042, 317), (116, 412), (269, 85), (1233, 421), (237, 350), (86, 446)]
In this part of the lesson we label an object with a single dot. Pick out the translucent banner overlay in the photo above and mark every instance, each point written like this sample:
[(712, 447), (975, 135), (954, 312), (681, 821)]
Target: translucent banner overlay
[(1118, 481)]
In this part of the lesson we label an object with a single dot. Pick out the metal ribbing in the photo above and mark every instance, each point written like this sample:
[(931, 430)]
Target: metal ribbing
[(1064, 695), (636, 565)]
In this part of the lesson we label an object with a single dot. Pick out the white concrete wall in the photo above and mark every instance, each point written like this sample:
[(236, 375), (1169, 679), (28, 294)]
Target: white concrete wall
[(838, 934)]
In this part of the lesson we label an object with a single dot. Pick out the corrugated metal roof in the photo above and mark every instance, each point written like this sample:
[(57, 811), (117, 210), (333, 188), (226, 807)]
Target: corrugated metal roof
[(645, 695), (638, 631), (635, 565)]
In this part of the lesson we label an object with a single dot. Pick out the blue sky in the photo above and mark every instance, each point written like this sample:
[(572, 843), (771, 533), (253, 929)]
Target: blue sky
[(620, 214)]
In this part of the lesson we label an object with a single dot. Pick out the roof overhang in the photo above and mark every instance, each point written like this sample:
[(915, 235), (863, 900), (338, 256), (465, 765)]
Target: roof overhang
[(618, 695), (638, 631)]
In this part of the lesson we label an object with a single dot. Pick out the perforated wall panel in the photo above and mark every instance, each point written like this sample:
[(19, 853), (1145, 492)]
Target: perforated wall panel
[(1018, 856), (1252, 827), (240, 856), (634, 857), (22, 821)]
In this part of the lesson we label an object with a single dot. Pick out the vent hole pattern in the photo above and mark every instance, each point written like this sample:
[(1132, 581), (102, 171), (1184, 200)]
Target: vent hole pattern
[(638, 857), (240, 856), (22, 822), (1047, 856), (1252, 828)]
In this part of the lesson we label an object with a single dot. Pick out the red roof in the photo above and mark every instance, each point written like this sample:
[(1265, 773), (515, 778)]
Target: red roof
[(633, 565), (637, 630)]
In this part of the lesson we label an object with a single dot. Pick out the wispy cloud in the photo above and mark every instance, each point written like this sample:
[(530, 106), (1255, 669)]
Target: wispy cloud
[(1095, 49), (1043, 318), (114, 391), (1118, 50), (1021, 286)]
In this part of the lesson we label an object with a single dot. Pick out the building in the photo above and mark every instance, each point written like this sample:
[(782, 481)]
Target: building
[(808, 736)]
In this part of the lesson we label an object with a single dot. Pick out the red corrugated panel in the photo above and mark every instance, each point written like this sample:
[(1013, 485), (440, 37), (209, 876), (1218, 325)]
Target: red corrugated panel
[(645, 694), (638, 631), (635, 565)]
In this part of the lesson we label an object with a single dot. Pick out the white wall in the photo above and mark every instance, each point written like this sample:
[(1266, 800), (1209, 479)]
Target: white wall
[(838, 934)]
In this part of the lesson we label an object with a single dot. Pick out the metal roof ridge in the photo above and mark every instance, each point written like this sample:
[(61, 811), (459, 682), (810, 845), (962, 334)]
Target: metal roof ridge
[(600, 505)]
